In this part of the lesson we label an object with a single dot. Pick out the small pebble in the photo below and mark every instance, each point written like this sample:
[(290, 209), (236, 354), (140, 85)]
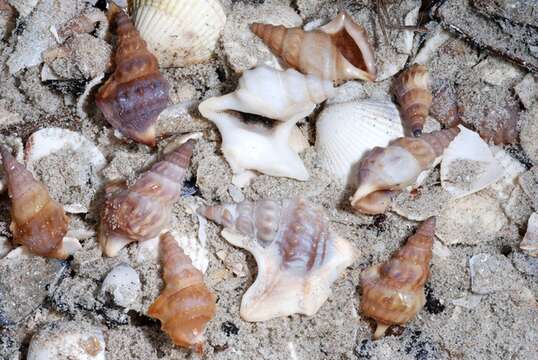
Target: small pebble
[(491, 273), (123, 284)]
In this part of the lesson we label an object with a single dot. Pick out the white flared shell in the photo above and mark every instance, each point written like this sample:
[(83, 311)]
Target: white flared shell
[(179, 32), (468, 165), (346, 131), (530, 241)]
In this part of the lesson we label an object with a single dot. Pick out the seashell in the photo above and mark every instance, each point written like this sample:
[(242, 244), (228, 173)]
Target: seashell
[(136, 93), (298, 256), (347, 131), (123, 285), (468, 165), (500, 125), (400, 164), (141, 211), (185, 305), (393, 292), (445, 107), (338, 51), (179, 32), (414, 94), (286, 96), (79, 188), (530, 241), (37, 221), (377, 202)]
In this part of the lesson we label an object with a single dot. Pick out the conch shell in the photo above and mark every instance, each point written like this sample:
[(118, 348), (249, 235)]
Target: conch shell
[(287, 96), (141, 211), (398, 165), (136, 93), (298, 256), (414, 94), (393, 292), (37, 221), (338, 51), (185, 305), (179, 32)]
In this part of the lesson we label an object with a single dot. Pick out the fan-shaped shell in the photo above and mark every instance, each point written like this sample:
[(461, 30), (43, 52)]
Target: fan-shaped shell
[(179, 32), (345, 132)]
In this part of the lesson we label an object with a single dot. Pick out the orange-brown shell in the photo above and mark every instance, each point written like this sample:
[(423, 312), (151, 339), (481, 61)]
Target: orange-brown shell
[(37, 221), (136, 93), (185, 305), (375, 203), (339, 51), (393, 292), (413, 93)]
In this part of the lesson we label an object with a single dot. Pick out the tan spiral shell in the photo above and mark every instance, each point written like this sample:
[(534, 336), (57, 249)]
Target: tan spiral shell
[(185, 305), (37, 221), (141, 211), (338, 51), (393, 292), (398, 165)]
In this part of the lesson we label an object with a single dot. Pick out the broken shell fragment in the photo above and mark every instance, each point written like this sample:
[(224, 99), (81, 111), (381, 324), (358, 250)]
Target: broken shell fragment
[(141, 211), (185, 305), (400, 164), (298, 255), (179, 32), (347, 131), (287, 96), (393, 292), (136, 93), (37, 221), (338, 51), (413, 93), (530, 241), (468, 165)]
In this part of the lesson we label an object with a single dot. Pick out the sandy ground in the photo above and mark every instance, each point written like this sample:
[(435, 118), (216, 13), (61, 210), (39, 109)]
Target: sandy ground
[(493, 317)]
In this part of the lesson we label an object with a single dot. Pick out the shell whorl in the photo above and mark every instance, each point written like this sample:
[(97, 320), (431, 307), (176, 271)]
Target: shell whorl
[(141, 211), (393, 292), (186, 304), (37, 221), (414, 94)]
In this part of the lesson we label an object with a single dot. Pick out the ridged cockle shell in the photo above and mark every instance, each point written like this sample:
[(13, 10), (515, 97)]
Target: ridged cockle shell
[(186, 304), (141, 211), (398, 165), (298, 255), (393, 292), (338, 51), (136, 93)]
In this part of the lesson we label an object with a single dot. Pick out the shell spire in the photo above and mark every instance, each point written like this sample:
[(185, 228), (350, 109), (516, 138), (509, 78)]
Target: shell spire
[(338, 51), (141, 211), (398, 165), (393, 292), (414, 94), (185, 305), (136, 93), (298, 256), (37, 221)]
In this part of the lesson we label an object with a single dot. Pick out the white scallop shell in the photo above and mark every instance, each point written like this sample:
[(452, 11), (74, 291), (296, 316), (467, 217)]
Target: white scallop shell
[(346, 131), (468, 165), (179, 32)]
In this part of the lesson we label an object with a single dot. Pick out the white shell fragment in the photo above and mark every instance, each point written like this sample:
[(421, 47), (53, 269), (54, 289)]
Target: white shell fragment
[(179, 32), (346, 131), (67, 340), (530, 241), (468, 165), (51, 141), (287, 96), (122, 283)]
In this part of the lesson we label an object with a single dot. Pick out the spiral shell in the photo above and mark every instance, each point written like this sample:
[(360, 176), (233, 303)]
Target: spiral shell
[(393, 292), (136, 93), (185, 305), (298, 256), (37, 221), (141, 211), (338, 51), (180, 32), (413, 93), (399, 164)]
